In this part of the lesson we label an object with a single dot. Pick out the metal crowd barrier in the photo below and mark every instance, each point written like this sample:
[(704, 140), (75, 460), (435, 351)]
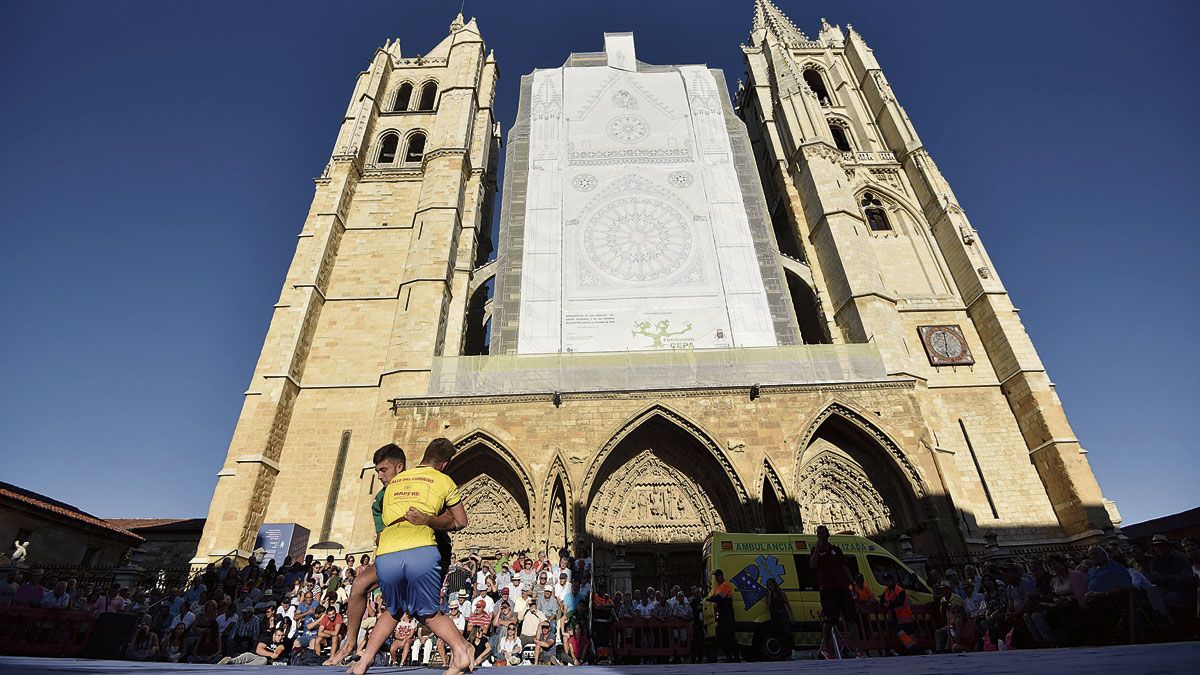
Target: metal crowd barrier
[(651, 638), (32, 631)]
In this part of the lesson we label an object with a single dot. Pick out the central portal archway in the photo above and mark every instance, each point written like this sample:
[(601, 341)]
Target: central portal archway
[(660, 490)]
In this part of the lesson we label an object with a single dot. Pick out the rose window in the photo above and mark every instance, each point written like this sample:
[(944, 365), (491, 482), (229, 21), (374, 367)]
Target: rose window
[(637, 239)]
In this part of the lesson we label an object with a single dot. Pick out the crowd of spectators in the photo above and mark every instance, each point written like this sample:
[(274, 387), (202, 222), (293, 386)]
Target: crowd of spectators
[(1059, 601), (522, 609)]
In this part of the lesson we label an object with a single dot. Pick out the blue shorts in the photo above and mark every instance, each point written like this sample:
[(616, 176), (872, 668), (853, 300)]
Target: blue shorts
[(411, 581)]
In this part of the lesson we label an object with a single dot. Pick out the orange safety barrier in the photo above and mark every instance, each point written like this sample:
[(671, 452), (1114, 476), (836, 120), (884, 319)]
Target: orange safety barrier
[(878, 634), (32, 631), (637, 638)]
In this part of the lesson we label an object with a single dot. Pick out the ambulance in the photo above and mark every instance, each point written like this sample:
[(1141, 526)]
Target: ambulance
[(749, 561)]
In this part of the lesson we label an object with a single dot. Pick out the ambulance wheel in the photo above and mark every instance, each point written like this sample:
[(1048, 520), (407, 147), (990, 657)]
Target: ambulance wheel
[(771, 644)]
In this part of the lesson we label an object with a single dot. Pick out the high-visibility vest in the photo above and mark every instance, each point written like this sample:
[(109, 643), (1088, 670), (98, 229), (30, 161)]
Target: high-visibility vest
[(903, 612)]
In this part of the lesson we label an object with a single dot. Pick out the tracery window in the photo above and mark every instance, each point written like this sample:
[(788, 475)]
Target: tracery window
[(841, 137), (813, 79), (877, 218)]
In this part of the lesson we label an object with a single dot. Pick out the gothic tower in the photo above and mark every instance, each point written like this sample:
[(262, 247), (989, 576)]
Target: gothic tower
[(377, 288), (879, 250)]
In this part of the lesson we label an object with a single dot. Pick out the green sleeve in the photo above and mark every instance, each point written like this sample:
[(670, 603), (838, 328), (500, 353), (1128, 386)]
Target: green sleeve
[(377, 511)]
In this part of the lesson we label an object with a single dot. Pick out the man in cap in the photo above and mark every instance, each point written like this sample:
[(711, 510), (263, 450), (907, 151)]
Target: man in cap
[(1170, 570)]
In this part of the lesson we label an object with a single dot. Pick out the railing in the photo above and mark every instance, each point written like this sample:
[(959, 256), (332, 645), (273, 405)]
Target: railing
[(164, 579), (32, 631), (651, 638), (861, 157)]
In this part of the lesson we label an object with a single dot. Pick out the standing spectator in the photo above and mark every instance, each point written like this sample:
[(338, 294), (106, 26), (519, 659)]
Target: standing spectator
[(1171, 571), (268, 650), (8, 588), (895, 600), (30, 593), (833, 579), (57, 598), (780, 611), (722, 599)]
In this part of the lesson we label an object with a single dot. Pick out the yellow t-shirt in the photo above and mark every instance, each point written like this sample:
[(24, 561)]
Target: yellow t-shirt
[(423, 487)]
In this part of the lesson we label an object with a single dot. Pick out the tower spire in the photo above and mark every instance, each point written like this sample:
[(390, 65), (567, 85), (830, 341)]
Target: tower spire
[(769, 17)]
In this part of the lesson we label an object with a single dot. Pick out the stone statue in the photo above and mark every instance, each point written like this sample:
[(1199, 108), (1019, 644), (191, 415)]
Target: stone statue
[(21, 552)]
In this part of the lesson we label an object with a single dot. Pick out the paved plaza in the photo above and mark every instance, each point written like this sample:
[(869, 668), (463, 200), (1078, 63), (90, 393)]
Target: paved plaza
[(1141, 659)]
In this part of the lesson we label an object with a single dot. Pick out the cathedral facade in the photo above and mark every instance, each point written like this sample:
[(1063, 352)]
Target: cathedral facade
[(756, 315)]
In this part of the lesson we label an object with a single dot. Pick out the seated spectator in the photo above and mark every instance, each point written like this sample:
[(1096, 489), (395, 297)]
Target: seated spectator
[(329, 631), (422, 646), (504, 619), (246, 632), (578, 644), (184, 617), (1053, 622), (268, 650), (478, 642), (508, 650), (550, 607), (1108, 585), (405, 632), (480, 617), (207, 647), (545, 646), (177, 643), (306, 630), (227, 622), (960, 634), (143, 646)]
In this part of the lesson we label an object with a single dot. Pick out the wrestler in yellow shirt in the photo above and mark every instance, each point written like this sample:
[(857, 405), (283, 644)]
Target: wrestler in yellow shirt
[(423, 488)]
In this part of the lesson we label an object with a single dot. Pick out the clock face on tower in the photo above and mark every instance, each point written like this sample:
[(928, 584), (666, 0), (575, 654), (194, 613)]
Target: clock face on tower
[(945, 345)]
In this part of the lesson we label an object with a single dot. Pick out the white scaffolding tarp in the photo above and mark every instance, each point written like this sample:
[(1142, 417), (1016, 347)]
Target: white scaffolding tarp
[(665, 369)]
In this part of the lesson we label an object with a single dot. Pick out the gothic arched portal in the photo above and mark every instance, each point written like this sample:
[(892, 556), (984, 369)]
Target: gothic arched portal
[(851, 478), (660, 489), (497, 494)]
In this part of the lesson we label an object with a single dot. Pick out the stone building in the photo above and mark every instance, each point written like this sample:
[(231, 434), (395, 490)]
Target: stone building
[(56, 533), (758, 315)]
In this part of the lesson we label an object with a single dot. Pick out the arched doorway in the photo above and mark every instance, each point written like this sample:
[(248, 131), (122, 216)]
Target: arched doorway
[(852, 480), (497, 494), (659, 490)]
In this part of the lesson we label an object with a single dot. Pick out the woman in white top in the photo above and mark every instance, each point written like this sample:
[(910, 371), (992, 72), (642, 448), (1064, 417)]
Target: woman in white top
[(510, 647)]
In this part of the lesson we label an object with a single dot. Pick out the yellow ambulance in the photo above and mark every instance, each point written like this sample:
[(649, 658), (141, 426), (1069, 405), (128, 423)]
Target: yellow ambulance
[(750, 560)]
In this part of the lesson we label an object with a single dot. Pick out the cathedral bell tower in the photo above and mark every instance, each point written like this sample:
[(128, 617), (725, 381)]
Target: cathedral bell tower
[(377, 288), (883, 253)]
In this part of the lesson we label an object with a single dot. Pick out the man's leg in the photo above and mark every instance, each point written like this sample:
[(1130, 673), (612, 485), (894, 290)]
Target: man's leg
[(443, 627), (248, 659), (383, 628), (355, 608)]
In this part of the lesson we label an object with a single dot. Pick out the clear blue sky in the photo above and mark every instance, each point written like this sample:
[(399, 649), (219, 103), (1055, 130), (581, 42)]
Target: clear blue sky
[(156, 157)]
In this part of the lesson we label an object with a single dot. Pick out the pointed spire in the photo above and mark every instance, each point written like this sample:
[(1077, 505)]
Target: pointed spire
[(770, 18), (457, 24)]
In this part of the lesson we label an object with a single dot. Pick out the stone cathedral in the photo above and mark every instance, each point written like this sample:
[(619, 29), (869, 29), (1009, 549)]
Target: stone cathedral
[(757, 314)]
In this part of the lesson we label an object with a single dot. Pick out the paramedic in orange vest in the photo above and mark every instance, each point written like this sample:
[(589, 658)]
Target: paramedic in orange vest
[(896, 600)]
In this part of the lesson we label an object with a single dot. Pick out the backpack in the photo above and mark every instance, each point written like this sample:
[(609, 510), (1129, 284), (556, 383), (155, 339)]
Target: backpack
[(306, 657)]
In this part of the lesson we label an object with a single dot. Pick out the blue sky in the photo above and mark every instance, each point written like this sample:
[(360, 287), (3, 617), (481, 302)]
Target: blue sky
[(155, 166)]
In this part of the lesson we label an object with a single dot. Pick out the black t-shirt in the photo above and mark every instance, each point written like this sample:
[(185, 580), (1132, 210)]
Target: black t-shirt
[(268, 641), (831, 569)]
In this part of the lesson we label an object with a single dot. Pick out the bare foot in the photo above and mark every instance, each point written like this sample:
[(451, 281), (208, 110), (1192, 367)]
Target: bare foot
[(359, 667), (340, 655), (459, 663)]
